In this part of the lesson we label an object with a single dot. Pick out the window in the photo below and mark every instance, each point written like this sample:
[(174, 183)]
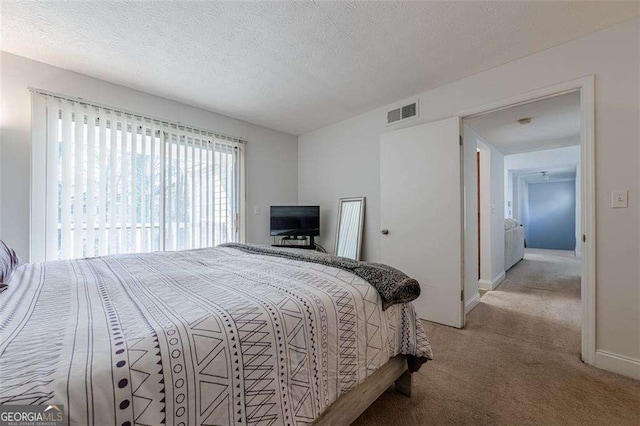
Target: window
[(108, 182)]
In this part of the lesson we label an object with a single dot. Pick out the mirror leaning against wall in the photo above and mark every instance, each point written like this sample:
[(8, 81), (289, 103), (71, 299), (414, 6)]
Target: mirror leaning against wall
[(350, 227)]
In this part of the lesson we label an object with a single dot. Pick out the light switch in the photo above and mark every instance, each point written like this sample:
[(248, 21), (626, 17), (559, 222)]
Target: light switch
[(256, 210), (619, 199)]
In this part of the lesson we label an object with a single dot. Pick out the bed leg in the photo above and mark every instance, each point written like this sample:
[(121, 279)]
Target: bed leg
[(403, 384)]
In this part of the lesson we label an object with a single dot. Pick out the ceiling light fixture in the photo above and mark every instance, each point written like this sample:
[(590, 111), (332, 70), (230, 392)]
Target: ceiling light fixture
[(545, 176), (525, 120)]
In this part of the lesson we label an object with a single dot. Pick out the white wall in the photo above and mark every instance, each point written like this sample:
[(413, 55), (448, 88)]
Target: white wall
[(486, 263), (497, 216), (491, 211), (1, 132), (342, 159), (509, 211), (578, 249), (470, 165), (271, 159)]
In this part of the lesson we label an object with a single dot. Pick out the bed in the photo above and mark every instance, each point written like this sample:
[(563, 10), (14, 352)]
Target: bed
[(225, 335), (513, 243)]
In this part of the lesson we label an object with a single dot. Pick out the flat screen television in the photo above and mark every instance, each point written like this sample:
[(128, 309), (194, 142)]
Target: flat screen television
[(295, 221)]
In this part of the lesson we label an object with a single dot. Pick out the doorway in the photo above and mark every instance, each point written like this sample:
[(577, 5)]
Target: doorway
[(504, 205), (443, 235)]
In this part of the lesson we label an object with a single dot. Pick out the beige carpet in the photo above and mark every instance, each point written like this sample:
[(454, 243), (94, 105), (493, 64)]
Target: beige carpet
[(516, 362)]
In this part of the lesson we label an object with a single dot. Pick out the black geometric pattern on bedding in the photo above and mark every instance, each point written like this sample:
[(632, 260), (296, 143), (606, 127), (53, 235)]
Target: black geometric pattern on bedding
[(210, 336)]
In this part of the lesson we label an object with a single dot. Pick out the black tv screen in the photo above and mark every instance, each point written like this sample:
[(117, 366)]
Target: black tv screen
[(295, 221)]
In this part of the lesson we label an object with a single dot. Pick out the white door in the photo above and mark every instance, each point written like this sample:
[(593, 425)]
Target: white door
[(421, 214)]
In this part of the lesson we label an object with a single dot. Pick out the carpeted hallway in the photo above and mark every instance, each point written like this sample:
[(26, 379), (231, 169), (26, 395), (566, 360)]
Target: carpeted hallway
[(516, 362)]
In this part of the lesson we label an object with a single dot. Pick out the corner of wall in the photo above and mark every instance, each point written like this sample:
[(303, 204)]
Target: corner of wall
[(494, 283)]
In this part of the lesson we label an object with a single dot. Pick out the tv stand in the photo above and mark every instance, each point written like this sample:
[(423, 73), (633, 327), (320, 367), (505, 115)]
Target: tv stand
[(304, 247), (310, 246)]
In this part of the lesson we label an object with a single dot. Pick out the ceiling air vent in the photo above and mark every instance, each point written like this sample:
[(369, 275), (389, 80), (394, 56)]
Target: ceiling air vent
[(395, 115), (402, 113)]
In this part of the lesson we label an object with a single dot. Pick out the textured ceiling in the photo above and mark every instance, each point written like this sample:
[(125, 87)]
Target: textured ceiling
[(292, 66), (555, 123)]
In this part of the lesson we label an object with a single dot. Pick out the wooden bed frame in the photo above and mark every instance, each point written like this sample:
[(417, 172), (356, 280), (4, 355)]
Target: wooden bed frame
[(347, 408)]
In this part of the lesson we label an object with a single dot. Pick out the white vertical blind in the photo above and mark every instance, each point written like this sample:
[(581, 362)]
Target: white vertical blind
[(201, 204), (124, 186), (91, 192), (153, 208), (133, 197), (113, 183), (66, 250), (103, 188), (79, 143), (52, 217), (117, 182), (144, 205)]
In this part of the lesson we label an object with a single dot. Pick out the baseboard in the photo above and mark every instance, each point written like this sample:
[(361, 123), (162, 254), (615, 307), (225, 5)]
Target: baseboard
[(484, 285), (497, 280), (491, 285), (618, 364), (471, 303)]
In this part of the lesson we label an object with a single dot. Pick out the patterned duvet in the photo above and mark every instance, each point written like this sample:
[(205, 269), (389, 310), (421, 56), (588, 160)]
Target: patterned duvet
[(211, 336)]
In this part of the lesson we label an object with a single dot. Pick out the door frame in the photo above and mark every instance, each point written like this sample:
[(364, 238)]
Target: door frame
[(586, 87), (479, 221)]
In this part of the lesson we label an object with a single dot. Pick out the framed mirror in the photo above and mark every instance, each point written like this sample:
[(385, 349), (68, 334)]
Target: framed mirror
[(350, 227)]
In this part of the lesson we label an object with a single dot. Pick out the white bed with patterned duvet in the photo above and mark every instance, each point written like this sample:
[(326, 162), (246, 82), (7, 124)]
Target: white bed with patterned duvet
[(208, 336)]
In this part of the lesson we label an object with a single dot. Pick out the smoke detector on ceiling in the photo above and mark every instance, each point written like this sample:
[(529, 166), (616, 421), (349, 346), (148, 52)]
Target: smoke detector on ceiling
[(524, 120), (545, 176)]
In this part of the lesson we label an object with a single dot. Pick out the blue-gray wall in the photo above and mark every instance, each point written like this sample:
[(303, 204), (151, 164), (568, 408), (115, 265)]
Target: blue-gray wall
[(552, 218)]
